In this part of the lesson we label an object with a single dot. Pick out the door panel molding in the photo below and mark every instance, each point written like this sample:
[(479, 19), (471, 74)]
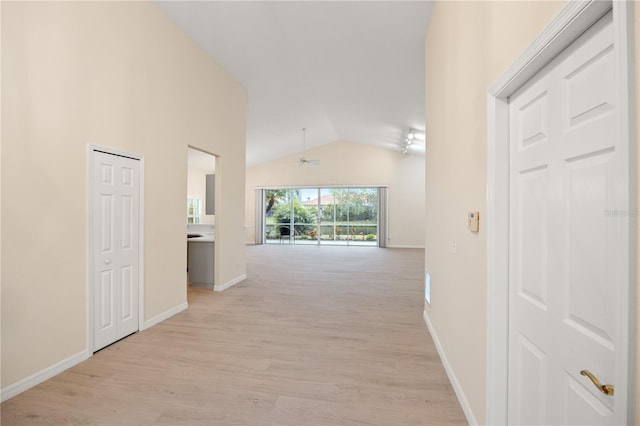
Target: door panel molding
[(91, 151), (573, 20)]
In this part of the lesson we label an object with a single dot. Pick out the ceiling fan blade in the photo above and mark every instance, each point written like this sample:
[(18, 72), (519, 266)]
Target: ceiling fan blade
[(302, 160)]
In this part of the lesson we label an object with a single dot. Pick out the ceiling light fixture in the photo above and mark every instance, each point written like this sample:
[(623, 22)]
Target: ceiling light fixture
[(404, 148)]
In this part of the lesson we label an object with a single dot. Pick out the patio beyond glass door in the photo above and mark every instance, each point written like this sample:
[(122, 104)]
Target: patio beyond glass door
[(328, 216), (349, 216), (286, 218)]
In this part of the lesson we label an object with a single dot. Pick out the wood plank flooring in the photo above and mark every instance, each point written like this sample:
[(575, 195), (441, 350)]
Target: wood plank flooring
[(314, 336)]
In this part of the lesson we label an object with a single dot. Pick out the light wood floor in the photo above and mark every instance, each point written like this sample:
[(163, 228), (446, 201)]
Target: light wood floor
[(314, 336)]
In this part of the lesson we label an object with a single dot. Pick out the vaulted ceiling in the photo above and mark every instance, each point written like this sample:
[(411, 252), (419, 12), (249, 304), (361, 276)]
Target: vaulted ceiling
[(345, 70)]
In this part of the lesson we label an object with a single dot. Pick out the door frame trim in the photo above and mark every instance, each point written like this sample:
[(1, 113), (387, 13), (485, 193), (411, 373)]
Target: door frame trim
[(90, 214), (572, 21)]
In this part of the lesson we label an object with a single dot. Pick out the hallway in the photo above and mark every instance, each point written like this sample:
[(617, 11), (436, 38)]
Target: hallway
[(314, 336)]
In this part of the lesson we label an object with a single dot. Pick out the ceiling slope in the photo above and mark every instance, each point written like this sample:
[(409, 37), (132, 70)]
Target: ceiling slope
[(344, 70)]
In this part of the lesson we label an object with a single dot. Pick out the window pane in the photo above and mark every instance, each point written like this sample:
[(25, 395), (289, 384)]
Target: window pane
[(363, 215), (339, 216)]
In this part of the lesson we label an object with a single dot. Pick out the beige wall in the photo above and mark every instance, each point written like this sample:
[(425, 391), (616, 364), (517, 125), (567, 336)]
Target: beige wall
[(468, 46), (637, 205), (120, 75), (348, 163), (462, 65)]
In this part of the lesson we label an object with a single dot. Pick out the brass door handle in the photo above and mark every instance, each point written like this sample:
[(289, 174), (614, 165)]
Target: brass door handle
[(605, 389)]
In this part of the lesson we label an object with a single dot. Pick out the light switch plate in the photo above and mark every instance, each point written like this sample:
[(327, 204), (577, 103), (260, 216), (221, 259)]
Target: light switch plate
[(474, 221)]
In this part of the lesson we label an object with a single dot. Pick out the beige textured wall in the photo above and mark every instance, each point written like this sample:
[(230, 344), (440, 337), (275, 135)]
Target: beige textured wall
[(120, 75), (462, 65), (468, 46), (637, 206), (348, 163), (1, 303)]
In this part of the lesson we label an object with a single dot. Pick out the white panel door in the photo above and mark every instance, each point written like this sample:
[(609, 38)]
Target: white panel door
[(116, 204), (566, 281)]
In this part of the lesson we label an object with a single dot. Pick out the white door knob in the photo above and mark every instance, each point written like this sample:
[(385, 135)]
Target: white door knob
[(107, 262)]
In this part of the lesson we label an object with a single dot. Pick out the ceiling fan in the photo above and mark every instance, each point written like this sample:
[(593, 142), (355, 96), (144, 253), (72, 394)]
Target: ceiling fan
[(303, 160)]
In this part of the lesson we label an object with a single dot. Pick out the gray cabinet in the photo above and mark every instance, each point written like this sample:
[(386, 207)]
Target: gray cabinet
[(200, 263)]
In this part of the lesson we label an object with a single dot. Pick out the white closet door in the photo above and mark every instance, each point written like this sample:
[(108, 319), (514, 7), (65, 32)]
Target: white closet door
[(116, 204)]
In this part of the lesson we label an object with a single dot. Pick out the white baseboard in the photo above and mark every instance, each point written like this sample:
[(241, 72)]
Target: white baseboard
[(42, 375), (464, 403), (165, 315), (57, 368), (230, 283), (405, 246)]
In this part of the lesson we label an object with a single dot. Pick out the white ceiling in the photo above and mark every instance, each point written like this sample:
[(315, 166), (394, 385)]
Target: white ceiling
[(348, 70)]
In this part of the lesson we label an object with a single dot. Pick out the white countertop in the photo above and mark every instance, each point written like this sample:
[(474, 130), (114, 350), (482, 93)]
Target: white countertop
[(207, 232), (205, 238)]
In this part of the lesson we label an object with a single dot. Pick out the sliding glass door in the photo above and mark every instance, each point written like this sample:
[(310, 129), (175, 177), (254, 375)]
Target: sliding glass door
[(287, 218), (348, 216), (328, 216)]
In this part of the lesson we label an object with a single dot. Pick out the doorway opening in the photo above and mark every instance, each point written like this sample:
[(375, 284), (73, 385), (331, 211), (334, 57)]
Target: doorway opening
[(201, 218), (200, 187)]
